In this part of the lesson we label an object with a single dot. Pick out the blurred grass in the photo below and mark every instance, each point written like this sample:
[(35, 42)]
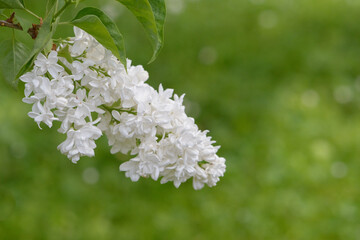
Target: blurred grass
[(277, 83)]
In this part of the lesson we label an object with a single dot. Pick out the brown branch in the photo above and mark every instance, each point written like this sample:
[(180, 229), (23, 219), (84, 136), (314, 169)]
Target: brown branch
[(10, 23)]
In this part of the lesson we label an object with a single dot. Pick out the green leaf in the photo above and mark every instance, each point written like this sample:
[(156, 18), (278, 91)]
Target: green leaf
[(42, 40), (77, 2), (13, 54), (151, 14), (12, 4), (103, 29), (65, 53), (49, 5), (159, 10)]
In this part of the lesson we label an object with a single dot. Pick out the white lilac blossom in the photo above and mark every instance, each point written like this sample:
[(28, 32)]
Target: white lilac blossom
[(94, 95)]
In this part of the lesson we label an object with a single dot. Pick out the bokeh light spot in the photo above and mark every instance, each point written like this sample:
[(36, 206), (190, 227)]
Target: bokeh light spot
[(321, 149), (175, 6), (207, 55), (268, 19), (90, 175), (339, 169), (343, 94), (310, 98)]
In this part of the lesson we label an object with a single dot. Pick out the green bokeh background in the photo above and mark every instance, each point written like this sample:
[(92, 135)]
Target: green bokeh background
[(277, 84)]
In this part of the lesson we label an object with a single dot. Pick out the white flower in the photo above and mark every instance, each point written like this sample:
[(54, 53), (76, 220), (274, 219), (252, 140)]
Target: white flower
[(38, 85), (131, 169), (41, 113), (137, 74), (150, 165), (143, 95), (80, 142), (82, 41), (30, 84), (131, 125), (150, 125), (48, 64), (96, 53), (64, 85), (81, 68)]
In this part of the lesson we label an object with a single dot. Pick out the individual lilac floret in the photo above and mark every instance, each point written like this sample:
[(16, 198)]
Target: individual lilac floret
[(80, 142), (96, 96), (48, 64)]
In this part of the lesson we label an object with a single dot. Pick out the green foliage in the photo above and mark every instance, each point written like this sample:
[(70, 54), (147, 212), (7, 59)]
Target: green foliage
[(12, 4), (103, 29), (13, 53), (41, 42), (151, 14), (49, 5), (159, 10)]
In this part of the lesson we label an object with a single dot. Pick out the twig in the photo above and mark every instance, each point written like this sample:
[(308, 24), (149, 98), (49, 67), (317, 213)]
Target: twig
[(10, 23)]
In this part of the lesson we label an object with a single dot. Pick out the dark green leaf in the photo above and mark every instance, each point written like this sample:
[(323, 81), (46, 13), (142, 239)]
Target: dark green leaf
[(13, 4), (42, 40), (103, 29), (13, 54), (44, 36), (151, 14), (159, 10)]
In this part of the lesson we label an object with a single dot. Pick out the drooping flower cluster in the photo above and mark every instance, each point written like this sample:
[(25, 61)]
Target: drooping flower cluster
[(92, 94)]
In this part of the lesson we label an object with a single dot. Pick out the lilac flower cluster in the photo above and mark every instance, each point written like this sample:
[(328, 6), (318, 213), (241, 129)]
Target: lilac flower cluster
[(93, 94)]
